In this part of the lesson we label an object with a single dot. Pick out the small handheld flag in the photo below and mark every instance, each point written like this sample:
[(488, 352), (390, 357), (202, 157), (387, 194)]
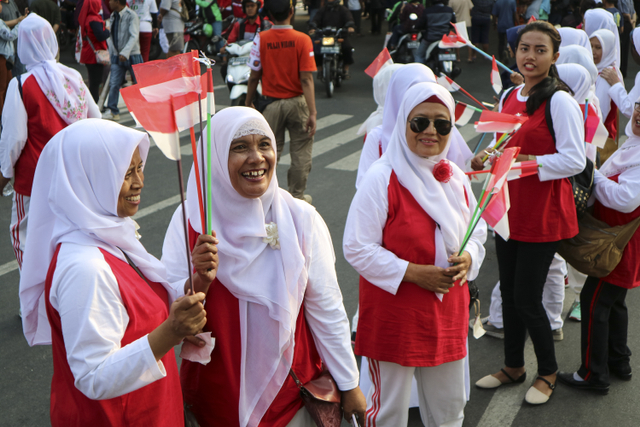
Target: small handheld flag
[(496, 81), (381, 60)]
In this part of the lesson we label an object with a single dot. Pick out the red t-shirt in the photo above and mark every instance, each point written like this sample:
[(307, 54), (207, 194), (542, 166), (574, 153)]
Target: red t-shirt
[(281, 54)]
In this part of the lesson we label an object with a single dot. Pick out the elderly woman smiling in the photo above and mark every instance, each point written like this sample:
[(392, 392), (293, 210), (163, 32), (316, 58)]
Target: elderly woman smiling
[(275, 305), (403, 234)]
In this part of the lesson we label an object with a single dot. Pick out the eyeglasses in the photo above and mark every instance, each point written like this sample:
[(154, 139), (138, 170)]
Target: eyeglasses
[(637, 107), (419, 124)]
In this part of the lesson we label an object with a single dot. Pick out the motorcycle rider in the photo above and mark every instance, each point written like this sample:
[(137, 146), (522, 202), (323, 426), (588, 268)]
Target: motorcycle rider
[(247, 28), (212, 17), (333, 14), (404, 9), (435, 23)]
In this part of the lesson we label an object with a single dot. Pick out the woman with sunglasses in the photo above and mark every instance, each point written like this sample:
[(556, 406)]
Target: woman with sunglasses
[(403, 235), (542, 207)]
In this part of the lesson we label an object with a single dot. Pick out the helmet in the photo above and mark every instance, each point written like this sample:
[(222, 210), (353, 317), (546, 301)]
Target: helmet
[(258, 3), (208, 30)]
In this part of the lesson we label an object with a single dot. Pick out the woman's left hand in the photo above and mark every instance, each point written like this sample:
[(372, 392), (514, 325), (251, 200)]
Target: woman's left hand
[(353, 402), (461, 265), (610, 75)]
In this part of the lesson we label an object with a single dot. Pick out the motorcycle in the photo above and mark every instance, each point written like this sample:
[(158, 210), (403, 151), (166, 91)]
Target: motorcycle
[(408, 43), (332, 62), (196, 39), (441, 60), (238, 71)]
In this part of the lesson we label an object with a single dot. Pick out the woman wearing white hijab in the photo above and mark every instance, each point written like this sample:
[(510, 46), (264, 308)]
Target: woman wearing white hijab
[(111, 327), (597, 19), (378, 139), (571, 36), (617, 91), (404, 230), (604, 313), (39, 103), (604, 53), (576, 54), (275, 304)]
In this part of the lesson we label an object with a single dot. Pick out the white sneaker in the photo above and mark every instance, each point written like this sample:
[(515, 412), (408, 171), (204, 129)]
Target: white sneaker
[(110, 116)]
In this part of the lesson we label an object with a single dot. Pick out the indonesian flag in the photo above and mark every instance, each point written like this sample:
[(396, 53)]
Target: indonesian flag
[(448, 84), (492, 121), (451, 41), (179, 78), (381, 60), (495, 214), (594, 131), (522, 169), (496, 81), (157, 118), (463, 113), (532, 19)]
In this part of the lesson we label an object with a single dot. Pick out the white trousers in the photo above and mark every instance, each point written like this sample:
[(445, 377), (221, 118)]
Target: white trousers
[(552, 296), (576, 281), (302, 419), (441, 394), (18, 226)]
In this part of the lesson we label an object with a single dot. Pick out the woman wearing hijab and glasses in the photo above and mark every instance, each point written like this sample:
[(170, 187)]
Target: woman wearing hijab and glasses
[(275, 307), (404, 230), (111, 320), (604, 56), (605, 319), (378, 139), (40, 103)]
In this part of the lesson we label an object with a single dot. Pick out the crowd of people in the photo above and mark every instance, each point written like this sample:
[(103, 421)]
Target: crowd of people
[(263, 283)]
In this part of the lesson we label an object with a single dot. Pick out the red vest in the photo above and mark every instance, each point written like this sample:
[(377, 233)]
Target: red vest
[(627, 273), (157, 404), (212, 391), (43, 122), (540, 211), (412, 327)]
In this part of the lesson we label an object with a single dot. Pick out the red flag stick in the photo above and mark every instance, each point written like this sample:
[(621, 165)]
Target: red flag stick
[(194, 149), (470, 96)]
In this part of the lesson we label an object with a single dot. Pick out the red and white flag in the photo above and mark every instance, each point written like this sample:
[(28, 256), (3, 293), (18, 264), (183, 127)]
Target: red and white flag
[(594, 130), (178, 77), (492, 121), (496, 81), (532, 19), (463, 112), (451, 41), (448, 84), (381, 60), (523, 169), (496, 212)]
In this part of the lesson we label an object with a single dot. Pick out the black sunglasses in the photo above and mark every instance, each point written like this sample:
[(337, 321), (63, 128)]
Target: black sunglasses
[(419, 124)]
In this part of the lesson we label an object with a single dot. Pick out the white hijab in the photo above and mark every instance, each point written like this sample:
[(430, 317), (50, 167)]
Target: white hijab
[(597, 19), (578, 79), (609, 50), (400, 83), (571, 36), (624, 158), (575, 54), (63, 86), (269, 283), (74, 199), (636, 40), (380, 84), (444, 202)]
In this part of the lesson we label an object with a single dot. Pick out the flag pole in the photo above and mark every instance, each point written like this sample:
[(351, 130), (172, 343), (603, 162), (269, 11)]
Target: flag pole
[(196, 168), (204, 187), (475, 151), (486, 55), (184, 224), (209, 156)]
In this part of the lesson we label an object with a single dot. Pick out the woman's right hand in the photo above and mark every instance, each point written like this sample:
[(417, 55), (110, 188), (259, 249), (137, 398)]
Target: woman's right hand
[(516, 78), (476, 163), (187, 317), (205, 261), (429, 277)]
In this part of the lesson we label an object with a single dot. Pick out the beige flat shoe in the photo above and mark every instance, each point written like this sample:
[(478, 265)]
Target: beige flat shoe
[(535, 396), (490, 381)]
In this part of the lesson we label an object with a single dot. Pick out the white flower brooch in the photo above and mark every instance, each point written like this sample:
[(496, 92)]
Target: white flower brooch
[(272, 236)]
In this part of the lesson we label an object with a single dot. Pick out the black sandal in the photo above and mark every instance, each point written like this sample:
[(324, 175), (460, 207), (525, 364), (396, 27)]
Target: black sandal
[(520, 379)]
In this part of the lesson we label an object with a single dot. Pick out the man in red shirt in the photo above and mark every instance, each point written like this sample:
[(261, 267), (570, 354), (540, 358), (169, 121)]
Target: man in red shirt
[(247, 28), (283, 60)]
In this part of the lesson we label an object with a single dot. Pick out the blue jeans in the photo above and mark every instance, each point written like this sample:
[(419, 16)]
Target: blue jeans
[(217, 30), (118, 70), (421, 51)]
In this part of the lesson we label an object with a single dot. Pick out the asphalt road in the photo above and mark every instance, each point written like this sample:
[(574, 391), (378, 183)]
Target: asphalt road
[(25, 373)]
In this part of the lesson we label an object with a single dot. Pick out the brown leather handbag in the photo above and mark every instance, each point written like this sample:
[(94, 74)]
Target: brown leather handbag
[(322, 399)]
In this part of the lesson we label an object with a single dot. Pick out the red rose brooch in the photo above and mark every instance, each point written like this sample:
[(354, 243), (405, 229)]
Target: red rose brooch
[(442, 171)]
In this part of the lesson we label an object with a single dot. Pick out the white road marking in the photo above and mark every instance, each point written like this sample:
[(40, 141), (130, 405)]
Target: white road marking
[(8, 267), (329, 143), (348, 163)]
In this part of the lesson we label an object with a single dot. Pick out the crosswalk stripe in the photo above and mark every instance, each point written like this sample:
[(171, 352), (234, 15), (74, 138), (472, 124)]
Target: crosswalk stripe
[(329, 143), (348, 163)]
